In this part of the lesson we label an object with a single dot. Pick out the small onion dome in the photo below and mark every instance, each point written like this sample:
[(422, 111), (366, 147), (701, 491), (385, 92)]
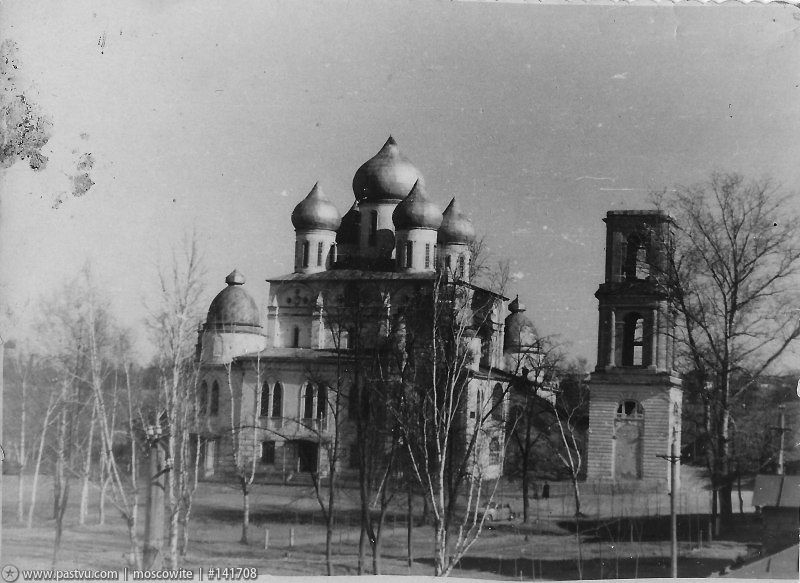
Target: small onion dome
[(233, 306), (520, 333), (315, 211), (416, 211), (456, 227), (387, 176), (349, 228)]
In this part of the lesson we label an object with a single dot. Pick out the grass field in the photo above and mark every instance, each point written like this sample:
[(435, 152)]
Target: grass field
[(621, 536)]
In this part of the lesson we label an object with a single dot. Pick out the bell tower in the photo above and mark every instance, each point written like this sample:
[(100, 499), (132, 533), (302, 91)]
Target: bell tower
[(635, 393)]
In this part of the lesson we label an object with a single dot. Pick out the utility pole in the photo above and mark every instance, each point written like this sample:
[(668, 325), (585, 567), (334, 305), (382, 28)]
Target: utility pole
[(782, 428), (154, 519), (674, 459)]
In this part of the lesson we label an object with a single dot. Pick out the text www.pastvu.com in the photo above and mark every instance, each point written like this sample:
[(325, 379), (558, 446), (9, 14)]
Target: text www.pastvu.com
[(69, 575)]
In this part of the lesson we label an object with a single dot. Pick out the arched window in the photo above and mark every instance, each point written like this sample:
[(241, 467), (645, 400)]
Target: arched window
[(322, 401), (332, 255), (427, 255), (373, 228), (305, 253), (319, 253), (264, 408), (213, 408), (277, 400), (633, 340), (630, 410), (636, 266), (296, 337), (497, 402), (461, 264), (203, 405), (495, 451), (448, 261), (308, 402), (409, 253)]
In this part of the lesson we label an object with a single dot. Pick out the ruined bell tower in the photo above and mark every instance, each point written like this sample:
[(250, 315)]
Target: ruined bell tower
[(635, 394)]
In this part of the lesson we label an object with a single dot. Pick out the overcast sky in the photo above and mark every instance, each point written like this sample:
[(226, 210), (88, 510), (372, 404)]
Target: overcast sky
[(220, 117)]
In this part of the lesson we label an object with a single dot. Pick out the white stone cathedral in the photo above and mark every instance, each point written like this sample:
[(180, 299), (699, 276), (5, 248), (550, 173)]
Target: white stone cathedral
[(276, 366)]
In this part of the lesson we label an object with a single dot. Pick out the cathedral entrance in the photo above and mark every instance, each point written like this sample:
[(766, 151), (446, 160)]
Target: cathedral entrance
[(628, 434)]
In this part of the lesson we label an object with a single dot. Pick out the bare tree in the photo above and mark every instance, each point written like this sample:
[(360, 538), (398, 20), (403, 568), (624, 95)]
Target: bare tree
[(530, 422), (570, 409), (444, 443), (172, 322), (243, 437), (733, 279)]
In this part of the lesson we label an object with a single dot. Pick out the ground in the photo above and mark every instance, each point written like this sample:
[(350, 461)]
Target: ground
[(621, 534)]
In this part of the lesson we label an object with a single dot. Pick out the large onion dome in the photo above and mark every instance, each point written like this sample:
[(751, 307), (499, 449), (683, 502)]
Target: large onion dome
[(315, 211), (520, 333), (348, 232), (456, 227), (387, 176), (416, 211), (233, 306)]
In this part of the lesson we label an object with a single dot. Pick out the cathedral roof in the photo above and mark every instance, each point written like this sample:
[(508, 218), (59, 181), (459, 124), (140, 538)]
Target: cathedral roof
[(349, 228), (520, 333), (233, 306), (456, 227), (387, 176), (416, 211), (315, 211)]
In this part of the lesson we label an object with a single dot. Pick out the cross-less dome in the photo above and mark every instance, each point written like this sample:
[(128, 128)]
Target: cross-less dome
[(315, 211), (387, 176), (349, 228), (520, 333), (456, 227), (416, 211), (233, 306)]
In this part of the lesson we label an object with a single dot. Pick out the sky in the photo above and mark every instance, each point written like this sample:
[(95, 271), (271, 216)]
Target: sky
[(218, 118)]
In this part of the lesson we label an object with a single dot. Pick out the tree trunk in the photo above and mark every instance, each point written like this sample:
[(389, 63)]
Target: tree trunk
[(172, 490), (525, 488), (739, 490), (329, 544), (376, 546), (86, 470), (362, 549), (23, 455), (37, 467), (439, 548), (577, 494), (105, 477), (63, 496), (245, 512), (410, 522)]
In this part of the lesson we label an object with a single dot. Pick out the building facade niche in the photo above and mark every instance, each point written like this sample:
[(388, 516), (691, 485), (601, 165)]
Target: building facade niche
[(628, 436)]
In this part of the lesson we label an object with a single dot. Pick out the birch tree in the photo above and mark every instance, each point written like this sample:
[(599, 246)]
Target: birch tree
[(442, 441), (173, 321)]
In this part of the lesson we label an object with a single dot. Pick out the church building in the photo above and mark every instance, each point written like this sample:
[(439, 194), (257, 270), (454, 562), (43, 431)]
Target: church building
[(275, 372)]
